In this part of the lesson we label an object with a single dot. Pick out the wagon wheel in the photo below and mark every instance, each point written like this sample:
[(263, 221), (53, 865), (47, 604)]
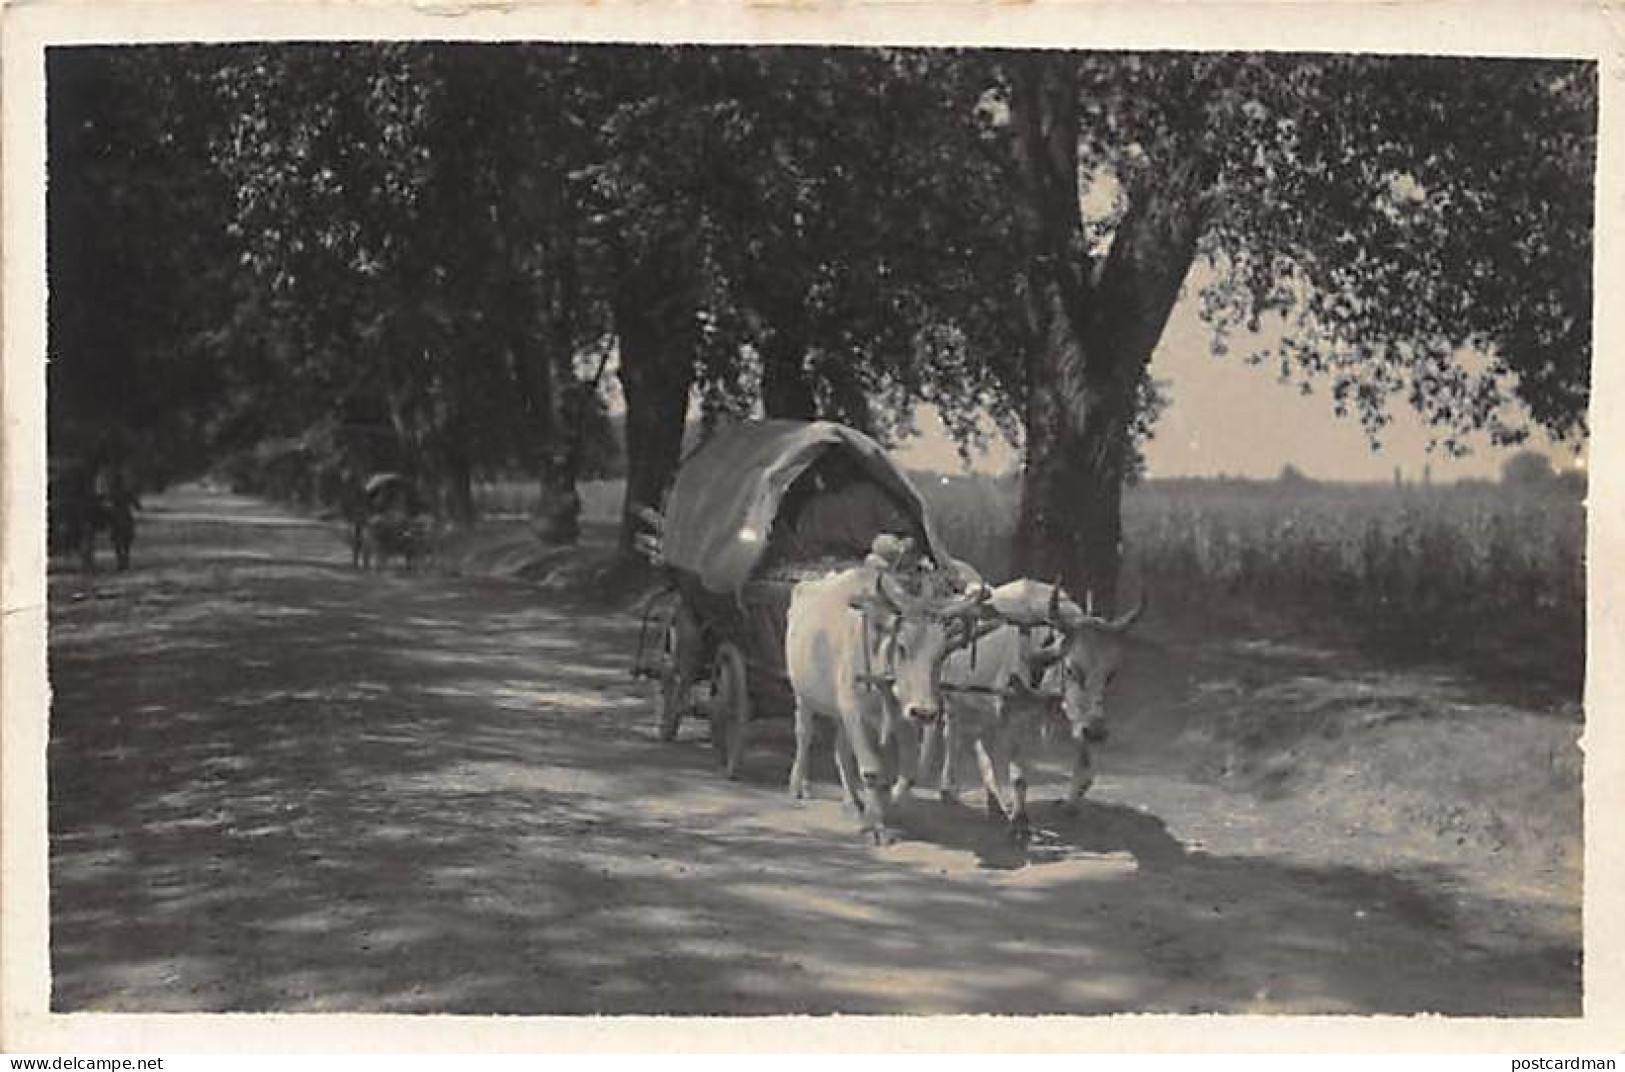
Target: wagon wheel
[(681, 650), (730, 707)]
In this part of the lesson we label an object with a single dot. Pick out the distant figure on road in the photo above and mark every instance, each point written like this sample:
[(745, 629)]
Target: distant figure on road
[(87, 497), (117, 503), (71, 506), (390, 524)]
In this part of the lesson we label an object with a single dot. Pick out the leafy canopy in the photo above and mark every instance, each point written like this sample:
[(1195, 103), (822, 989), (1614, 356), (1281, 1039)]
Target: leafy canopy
[(1405, 227)]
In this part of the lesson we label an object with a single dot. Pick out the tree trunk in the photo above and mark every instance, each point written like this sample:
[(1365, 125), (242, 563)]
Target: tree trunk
[(558, 512), (407, 456), (786, 382), (655, 324), (552, 458), (557, 521), (544, 372), (1093, 327), (848, 401), (1070, 525), (449, 447), (457, 485)]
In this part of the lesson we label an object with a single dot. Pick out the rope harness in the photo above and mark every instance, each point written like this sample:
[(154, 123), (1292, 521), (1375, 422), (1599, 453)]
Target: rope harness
[(890, 633)]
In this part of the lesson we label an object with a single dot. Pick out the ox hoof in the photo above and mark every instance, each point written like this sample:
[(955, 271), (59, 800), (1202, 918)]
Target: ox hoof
[(948, 796), (880, 836)]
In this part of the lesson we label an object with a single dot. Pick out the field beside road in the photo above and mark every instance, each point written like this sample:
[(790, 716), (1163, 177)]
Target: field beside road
[(1487, 578)]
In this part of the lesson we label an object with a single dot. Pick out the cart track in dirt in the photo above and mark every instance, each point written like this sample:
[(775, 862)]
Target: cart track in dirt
[(280, 784)]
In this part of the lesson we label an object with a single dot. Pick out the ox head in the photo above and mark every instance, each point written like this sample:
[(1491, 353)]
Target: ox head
[(1088, 651), (917, 632)]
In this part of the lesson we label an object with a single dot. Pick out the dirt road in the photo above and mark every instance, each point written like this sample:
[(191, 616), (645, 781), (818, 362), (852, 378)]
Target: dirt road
[(280, 784)]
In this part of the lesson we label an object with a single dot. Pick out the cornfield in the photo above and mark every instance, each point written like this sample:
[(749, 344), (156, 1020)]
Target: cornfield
[(1441, 568), (1484, 571)]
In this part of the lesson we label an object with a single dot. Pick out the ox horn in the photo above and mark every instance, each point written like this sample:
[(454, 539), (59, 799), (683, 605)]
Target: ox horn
[(1064, 614), (972, 600), (1125, 622)]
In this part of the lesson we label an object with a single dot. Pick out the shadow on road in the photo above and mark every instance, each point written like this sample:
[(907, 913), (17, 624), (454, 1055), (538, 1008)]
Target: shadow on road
[(279, 786)]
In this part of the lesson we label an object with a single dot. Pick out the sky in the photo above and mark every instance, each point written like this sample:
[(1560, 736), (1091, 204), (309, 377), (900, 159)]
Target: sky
[(1226, 417)]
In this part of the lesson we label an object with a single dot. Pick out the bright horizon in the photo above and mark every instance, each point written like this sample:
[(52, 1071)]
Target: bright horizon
[(1228, 418)]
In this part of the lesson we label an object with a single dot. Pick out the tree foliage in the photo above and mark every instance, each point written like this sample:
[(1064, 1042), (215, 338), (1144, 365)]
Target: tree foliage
[(435, 256), (134, 238), (1419, 227), (1528, 469), (1422, 227), (409, 211)]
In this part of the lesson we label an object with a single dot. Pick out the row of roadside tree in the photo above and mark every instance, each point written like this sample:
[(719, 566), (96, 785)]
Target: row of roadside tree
[(436, 257)]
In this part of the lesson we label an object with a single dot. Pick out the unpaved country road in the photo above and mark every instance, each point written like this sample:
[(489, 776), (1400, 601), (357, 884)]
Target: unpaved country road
[(279, 784)]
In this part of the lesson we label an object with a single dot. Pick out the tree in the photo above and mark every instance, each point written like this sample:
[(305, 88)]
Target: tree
[(1392, 213), (750, 202), (435, 253), (1292, 476), (524, 119), (1528, 470), (329, 157), (644, 179), (820, 188), (136, 256), (410, 212)]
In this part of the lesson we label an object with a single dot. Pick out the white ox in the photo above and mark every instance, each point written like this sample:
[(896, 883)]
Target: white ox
[(1037, 633), (843, 634)]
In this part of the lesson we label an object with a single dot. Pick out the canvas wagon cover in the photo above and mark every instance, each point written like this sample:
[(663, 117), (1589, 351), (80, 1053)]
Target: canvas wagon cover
[(726, 496)]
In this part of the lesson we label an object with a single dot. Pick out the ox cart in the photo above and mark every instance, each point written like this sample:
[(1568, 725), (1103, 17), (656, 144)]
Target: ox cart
[(757, 508)]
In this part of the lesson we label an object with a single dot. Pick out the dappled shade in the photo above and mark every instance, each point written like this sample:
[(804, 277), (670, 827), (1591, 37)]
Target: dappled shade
[(280, 785)]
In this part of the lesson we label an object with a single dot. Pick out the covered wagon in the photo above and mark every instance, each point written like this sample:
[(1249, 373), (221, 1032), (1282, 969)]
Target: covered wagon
[(758, 507)]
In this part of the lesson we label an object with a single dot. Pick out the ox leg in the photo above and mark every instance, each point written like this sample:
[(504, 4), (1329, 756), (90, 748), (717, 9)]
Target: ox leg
[(1083, 776), (871, 770), (874, 795), (1020, 826), (804, 740), (846, 767), (990, 781), (943, 735), (953, 751), (931, 742), (908, 738)]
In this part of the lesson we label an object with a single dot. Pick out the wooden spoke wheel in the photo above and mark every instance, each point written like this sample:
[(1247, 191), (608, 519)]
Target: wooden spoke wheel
[(730, 707), (681, 651)]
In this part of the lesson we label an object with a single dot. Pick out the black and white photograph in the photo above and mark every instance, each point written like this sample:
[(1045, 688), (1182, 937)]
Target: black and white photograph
[(581, 526)]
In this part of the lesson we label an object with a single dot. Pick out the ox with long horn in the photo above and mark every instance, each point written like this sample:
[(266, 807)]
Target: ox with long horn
[(1093, 651), (833, 657)]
